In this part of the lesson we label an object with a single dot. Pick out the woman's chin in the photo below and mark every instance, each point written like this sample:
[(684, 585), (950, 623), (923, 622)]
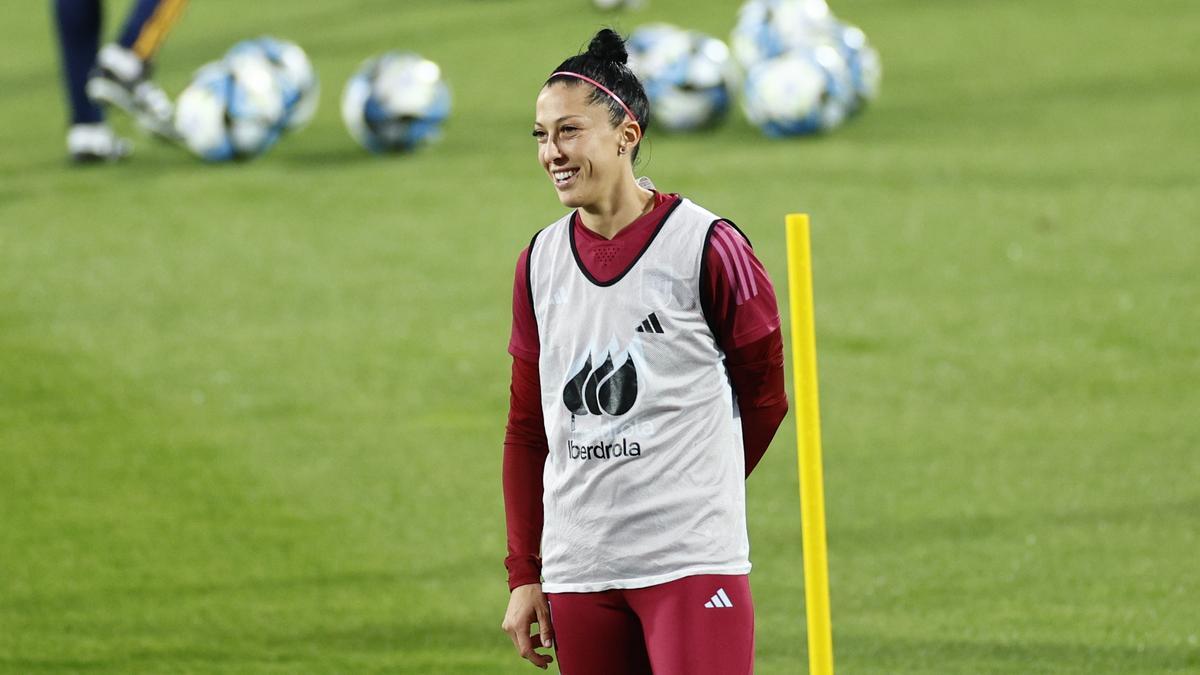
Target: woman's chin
[(570, 199)]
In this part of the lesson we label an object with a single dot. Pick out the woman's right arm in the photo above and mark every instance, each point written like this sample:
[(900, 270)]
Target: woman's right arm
[(525, 452), (525, 447)]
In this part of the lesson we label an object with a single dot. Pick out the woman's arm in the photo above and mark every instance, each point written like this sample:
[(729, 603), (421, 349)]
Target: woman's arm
[(525, 447), (739, 302), (525, 452), (756, 372)]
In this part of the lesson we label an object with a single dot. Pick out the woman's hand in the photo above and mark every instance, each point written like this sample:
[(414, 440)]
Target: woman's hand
[(527, 605)]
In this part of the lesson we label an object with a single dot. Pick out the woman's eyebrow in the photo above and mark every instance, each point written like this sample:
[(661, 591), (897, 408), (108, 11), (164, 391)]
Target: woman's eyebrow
[(564, 117)]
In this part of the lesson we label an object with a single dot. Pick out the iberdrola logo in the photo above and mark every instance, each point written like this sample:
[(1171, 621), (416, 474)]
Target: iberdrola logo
[(606, 389)]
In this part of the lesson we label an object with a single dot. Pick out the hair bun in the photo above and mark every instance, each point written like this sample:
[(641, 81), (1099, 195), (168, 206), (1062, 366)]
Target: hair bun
[(608, 45)]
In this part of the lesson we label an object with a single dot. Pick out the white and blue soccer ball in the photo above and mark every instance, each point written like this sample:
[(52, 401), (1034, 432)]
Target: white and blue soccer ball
[(769, 28), (862, 61), (231, 110), (801, 92), (298, 79), (396, 102), (783, 45), (689, 77)]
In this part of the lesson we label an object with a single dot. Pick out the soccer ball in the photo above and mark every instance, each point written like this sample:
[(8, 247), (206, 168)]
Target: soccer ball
[(769, 28), (299, 82), (395, 102), (688, 75), (231, 110), (862, 61), (801, 92)]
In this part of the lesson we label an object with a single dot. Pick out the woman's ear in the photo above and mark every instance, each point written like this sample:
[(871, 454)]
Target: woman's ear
[(631, 135)]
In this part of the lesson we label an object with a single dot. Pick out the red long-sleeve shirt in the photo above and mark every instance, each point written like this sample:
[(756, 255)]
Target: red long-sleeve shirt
[(739, 302)]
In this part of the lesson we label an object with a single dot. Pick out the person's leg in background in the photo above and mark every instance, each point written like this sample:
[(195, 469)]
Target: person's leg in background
[(89, 138), (147, 26), (122, 76)]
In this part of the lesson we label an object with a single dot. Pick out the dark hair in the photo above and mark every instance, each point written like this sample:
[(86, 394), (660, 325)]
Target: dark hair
[(604, 61)]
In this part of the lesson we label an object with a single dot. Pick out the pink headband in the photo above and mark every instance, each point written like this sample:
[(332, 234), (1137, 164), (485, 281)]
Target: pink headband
[(599, 86)]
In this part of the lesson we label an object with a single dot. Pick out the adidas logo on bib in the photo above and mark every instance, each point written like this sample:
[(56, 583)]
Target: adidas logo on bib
[(720, 600), (649, 325)]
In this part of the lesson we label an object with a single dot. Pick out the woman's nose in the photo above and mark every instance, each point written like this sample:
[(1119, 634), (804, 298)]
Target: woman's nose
[(553, 152)]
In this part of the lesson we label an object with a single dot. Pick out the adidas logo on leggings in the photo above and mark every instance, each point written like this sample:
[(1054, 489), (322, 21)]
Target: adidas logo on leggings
[(719, 600)]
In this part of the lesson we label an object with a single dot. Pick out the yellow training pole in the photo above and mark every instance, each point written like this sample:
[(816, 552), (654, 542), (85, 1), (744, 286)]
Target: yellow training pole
[(808, 446)]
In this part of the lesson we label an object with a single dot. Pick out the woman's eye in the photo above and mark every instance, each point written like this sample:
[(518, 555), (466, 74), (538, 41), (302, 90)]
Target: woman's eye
[(539, 134), (569, 129)]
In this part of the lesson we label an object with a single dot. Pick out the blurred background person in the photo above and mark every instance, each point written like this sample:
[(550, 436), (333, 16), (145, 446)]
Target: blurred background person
[(116, 74)]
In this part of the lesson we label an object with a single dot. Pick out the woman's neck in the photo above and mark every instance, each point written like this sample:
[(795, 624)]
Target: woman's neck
[(628, 202)]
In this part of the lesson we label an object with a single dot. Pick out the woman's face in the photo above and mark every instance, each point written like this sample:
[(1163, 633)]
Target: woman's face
[(578, 146)]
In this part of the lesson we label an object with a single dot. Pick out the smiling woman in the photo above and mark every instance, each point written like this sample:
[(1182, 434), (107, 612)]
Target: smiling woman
[(647, 383)]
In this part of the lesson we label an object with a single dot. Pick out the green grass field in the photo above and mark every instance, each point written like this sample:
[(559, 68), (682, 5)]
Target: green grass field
[(251, 415)]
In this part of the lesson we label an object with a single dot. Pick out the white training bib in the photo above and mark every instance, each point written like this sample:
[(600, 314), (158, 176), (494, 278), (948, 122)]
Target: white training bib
[(645, 482)]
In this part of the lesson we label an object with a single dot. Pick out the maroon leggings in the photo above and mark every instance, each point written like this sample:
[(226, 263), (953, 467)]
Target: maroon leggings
[(683, 627)]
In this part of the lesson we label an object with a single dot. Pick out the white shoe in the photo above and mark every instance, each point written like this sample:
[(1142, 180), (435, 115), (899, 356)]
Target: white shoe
[(96, 143), (122, 79)]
